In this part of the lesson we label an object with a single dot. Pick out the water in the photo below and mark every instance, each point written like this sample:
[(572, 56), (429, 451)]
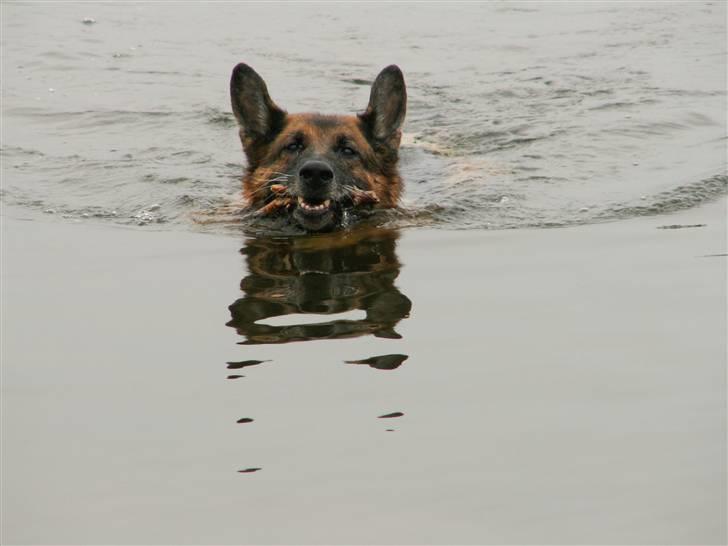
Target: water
[(541, 386), (519, 114), (456, 375), (321, 276)]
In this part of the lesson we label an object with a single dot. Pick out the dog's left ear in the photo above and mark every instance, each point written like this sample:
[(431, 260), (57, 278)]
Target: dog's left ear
[(385, 113)]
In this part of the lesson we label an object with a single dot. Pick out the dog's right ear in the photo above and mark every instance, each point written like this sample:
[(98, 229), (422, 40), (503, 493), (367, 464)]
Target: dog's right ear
[(259, 117), (385, 113)]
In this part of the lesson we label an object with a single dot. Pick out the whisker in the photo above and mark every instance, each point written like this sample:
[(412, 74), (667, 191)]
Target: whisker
[(260, 189), (267, 185)]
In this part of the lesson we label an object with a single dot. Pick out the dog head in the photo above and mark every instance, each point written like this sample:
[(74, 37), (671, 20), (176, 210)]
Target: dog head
[(314, 167)]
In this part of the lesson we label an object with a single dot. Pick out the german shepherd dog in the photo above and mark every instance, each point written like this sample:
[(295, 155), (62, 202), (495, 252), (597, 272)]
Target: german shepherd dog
[(319, 170)]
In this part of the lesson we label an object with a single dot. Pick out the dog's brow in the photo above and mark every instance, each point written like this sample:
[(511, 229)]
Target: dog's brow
[(325, 122), (287, 138)]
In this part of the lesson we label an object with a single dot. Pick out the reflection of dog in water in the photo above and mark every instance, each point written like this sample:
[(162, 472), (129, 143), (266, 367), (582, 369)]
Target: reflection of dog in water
[(321, 275), (317, 170)]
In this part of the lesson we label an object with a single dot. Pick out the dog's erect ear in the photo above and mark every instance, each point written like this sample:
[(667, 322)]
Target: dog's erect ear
[(259, 117), (384, 115)]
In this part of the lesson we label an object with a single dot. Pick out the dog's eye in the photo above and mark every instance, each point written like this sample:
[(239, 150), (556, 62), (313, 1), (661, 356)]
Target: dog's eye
[(347, 151), (294, 147)]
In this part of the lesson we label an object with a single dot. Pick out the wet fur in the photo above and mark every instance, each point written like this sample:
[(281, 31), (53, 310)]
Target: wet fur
[(267, 134)]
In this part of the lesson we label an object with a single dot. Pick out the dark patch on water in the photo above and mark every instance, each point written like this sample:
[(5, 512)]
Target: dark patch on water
[(320, 275), (244, 364), (681, 226), (382, 362), (358, 81)]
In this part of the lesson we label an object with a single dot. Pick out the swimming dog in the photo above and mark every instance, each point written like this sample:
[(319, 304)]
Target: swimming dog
[(315, 169)]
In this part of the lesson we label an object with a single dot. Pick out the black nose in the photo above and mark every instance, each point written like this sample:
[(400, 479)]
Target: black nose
[(316, 175)]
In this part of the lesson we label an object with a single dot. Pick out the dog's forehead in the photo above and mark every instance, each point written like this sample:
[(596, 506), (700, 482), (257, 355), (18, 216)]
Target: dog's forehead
[(323, 127)]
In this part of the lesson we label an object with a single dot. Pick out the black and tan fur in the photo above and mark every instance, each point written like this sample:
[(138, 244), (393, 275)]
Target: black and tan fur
[(313, 168)]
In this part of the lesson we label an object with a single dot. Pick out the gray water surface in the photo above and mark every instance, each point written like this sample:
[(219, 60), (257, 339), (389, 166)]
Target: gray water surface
[(436, 380), (528, 114), (541, 387)]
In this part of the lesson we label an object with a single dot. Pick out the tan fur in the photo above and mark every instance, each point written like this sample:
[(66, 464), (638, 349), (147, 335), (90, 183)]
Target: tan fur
[(371, 167)]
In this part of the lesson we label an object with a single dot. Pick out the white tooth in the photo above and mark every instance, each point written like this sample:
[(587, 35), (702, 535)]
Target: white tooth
[(300, 200), (327, 203)]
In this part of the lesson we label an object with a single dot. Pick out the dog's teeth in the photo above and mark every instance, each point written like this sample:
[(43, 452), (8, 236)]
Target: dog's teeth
[(310, 207)]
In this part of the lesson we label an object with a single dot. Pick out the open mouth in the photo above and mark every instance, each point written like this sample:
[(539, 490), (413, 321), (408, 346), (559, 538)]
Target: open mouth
[(312, 208), (315, 215)]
